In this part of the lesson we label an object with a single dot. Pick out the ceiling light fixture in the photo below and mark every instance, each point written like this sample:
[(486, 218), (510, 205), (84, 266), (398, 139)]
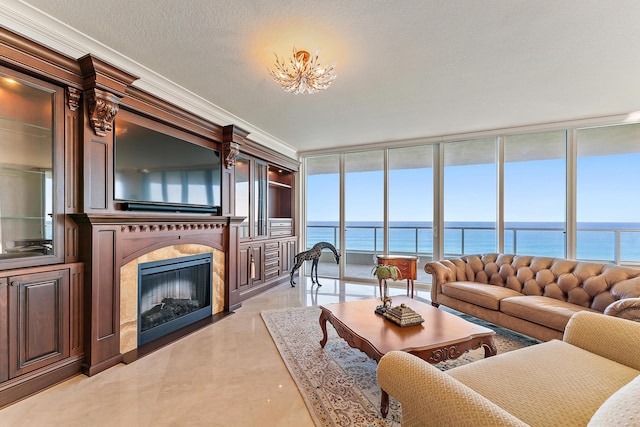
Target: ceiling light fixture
[(305, 74)]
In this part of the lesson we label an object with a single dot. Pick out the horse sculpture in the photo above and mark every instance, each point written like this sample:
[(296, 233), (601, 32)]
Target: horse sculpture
[(313, 255)]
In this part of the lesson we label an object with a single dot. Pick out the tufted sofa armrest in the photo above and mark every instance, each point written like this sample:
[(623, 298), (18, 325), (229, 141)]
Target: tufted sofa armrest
[(626, 308), (441, 272), (431, 397), (610, 337)]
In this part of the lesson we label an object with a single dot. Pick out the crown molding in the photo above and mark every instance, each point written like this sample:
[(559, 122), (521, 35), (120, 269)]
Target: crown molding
[(54, 34)]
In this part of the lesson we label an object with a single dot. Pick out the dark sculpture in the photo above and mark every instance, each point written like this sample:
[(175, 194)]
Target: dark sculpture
[(313, 255)]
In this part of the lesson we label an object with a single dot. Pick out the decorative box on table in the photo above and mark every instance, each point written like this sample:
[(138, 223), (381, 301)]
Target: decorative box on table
[(403, 316)]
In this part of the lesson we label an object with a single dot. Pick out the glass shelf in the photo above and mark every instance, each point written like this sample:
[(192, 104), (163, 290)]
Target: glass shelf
[(39, 218), (22, 128), (279, 184)]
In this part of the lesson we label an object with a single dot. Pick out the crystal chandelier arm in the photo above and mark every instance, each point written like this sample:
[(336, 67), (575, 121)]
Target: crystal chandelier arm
[(304, 74)]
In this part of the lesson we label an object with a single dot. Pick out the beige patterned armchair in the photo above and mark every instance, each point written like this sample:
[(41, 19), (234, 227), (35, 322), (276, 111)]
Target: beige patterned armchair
[(591, 377)]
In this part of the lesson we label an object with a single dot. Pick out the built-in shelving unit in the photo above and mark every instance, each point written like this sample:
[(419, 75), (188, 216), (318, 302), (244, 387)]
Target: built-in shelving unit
[(68, 226), (280, 192), (267, 244)]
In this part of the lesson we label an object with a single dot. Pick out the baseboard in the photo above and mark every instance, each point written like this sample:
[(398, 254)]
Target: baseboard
[(26, 385)]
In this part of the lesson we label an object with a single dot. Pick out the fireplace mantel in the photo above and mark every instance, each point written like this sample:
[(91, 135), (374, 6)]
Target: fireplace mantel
[(140, 233), (111, 240)]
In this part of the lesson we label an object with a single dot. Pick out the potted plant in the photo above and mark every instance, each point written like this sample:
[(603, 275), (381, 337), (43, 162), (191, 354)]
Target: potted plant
[(384, 272)]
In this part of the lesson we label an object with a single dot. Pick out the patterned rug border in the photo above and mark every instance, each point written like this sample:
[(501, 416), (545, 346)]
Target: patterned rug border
[(273, 332), (337, 389), (341, 389)]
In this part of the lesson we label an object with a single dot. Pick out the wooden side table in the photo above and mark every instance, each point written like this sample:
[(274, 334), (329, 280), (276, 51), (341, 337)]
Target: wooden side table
[(407, 264)]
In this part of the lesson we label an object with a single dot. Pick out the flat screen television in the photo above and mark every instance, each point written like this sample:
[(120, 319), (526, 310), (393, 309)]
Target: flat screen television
[(164, 171)]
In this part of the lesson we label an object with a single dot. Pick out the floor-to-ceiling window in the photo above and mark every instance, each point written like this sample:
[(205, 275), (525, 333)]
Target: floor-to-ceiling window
[(607, 194), (560, 193), (323, 208), (363, 210), (534, 194), (410, 211), (469, 195)]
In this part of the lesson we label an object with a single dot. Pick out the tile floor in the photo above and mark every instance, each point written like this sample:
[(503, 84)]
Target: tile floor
[(227, 374)]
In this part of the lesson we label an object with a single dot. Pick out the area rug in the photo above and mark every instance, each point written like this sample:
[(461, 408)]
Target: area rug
[(338, 383)]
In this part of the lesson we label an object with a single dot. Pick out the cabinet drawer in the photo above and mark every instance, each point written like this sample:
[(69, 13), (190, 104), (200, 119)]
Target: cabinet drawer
[(280, 232), (272, 254), (270, 274), (280, 223), (271, 246), (272, 263)]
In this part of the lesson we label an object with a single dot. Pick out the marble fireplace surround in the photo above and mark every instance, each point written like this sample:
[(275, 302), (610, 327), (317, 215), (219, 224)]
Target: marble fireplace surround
[(110, 241), (129, 286)]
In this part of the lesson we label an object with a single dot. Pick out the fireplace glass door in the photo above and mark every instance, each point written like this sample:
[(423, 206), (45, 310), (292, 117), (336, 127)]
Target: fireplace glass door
[(172, 294)]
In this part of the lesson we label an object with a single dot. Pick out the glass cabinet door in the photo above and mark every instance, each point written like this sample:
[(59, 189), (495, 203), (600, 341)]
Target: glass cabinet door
[(260, 196), (242, 194), (251, 186), (26, 169)]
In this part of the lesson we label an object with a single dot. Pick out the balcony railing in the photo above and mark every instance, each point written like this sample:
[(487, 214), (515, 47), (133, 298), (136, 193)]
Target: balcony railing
[(611, 245)]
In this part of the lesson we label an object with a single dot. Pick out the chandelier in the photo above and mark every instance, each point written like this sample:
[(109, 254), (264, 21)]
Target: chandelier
[(304, 74)]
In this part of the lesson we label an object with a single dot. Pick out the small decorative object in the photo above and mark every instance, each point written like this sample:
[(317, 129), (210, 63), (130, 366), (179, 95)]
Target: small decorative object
[(403, 316), (313, 255), (304, 74), (384, 272)]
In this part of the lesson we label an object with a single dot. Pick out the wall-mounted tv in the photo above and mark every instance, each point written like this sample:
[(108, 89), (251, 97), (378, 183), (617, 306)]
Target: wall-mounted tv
[(168, 170)]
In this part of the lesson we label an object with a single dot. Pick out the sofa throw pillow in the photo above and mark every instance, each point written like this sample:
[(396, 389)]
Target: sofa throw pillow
[(621, 408)]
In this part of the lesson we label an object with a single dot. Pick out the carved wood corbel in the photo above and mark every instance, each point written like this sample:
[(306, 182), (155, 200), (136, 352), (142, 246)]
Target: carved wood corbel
[(103, 107), (232, 138), (230, 150), (104, 86), (73, 98)]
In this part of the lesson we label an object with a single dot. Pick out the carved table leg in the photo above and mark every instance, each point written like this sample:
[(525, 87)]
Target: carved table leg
[(384, 403), (323, 325), (490, 348)]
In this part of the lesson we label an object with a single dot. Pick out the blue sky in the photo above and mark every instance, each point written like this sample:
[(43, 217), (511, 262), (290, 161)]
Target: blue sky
[(608, 191)]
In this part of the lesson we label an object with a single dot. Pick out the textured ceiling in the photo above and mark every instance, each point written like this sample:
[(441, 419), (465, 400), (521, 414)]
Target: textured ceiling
[(406, 69)]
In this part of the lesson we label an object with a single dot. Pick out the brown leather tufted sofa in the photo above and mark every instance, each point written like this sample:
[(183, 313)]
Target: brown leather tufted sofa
[(535, 296)]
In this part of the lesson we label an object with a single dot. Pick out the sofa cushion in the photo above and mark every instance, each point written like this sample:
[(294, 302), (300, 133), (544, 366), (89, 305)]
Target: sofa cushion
[(565, 385), (545, 311), (621, 409), (487, 296)]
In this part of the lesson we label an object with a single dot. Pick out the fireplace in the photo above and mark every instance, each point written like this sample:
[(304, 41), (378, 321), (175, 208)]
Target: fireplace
[(172, 293)]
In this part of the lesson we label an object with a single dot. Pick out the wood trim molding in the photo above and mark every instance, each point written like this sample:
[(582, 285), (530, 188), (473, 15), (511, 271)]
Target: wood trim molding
[(141, 102), (255, 149), (101, 75), (29, 56), (150, 228)]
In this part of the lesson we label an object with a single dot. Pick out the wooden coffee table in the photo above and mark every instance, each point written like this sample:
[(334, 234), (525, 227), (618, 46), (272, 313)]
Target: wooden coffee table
[(441, 337)]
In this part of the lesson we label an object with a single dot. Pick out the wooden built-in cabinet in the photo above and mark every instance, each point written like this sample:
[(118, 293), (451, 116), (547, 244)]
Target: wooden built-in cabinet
[(65, 232), (42, 307), (41, 282), (265, 262), (41, 341), (264, 195), (288, 251), (250, 265)]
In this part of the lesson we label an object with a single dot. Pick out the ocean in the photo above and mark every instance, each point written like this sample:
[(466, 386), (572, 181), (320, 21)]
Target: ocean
[(595, 241)]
